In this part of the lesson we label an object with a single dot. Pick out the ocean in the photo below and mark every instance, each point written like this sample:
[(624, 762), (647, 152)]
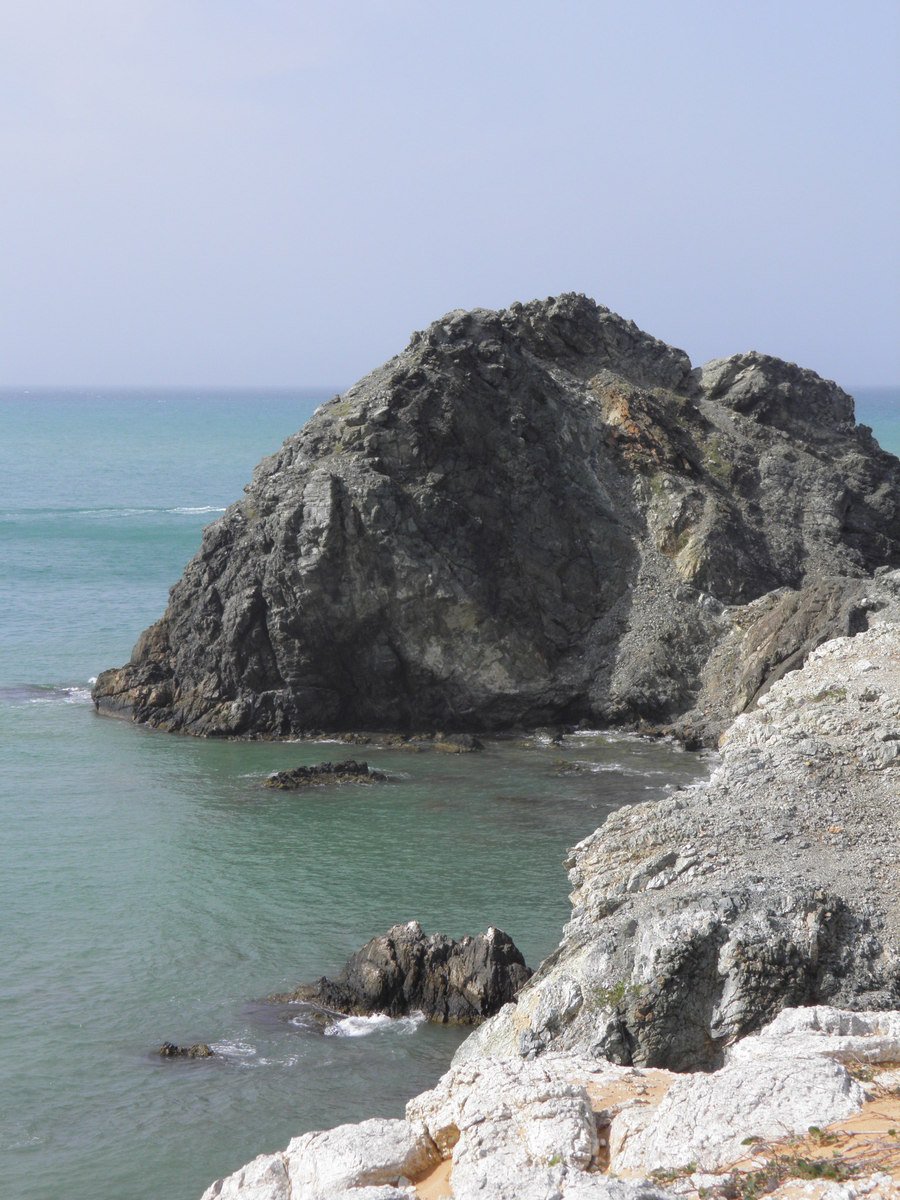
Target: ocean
[(152, 890)]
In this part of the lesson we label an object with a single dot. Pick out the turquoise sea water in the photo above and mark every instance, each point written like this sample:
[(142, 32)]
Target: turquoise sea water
[(879, 407), (152, 890)]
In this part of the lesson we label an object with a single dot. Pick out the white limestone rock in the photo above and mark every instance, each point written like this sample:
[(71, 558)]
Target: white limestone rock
[(521, 1129), (704, 1121), (538, 1113), (374, 1160), (870, 1037), (372, 1153), (265, 1178)]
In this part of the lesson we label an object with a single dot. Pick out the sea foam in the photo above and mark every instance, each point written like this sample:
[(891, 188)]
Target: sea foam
[(363, 1026)]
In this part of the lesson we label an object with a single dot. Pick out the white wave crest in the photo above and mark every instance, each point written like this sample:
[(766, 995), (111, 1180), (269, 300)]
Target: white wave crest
[(29, 693), (197, 510), (363, 1026), (618, 768), (234, 1049)]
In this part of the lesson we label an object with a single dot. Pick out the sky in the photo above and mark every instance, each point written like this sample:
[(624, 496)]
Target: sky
[(219, 192)]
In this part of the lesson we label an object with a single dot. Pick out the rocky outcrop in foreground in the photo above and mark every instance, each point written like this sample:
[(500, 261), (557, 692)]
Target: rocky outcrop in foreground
[(697, 918), (529, 516), (570, 1127), (404, 971)]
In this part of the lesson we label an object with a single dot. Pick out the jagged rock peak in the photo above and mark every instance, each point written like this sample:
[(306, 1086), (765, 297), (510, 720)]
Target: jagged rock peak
[(780, 393), (570, 329), (532, 515), (404, 971)]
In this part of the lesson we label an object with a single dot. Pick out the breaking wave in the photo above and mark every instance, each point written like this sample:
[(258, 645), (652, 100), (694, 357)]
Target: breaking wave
[(363, 1026)]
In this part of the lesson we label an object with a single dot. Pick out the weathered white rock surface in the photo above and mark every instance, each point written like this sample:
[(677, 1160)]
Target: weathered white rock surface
[(696, 919), (376, 1159), (559, 1127), (705, 1120), (265, 1178), (846, 1037), (515, 1129)]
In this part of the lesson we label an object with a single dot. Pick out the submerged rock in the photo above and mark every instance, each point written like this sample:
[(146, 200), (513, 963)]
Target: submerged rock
[(349, 771), (538, 515), (197, 1050), (403, 971), (457, 743)]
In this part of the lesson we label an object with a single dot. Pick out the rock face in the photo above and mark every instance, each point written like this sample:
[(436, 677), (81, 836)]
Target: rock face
[(698, 917), (534, 515), (571, 1127), (403, 971)]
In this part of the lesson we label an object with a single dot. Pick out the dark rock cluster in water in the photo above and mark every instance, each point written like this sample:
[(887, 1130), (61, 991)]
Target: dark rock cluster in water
[(349, 771), (404, 971), (529, 516), (197, 1050)]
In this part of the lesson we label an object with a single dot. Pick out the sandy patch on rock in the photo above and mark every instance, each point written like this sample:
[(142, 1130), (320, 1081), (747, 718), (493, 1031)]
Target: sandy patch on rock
[(436, 1184)]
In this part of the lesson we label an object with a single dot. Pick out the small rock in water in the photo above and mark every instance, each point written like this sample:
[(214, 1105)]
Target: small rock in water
[(349, 771), (405, 970), (456, 743), (198, 1050)]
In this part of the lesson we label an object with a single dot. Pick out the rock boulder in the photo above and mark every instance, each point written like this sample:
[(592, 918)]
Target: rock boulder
[(403, 971)]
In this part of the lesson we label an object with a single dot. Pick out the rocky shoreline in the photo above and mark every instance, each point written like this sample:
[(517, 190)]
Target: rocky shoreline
[(700, 923), (545, 516)]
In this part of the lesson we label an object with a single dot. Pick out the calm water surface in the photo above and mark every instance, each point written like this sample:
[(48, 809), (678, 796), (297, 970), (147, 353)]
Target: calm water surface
[(152, 890)]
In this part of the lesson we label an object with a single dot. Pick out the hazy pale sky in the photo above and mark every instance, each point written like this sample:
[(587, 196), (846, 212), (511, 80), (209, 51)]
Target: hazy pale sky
[(225, 192)]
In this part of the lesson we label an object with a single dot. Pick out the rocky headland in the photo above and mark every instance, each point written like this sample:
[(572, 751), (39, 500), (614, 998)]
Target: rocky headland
[(543, 516), (529, 516), (722, 1017)]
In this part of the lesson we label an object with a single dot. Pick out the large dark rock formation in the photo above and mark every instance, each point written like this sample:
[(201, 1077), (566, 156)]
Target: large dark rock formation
[(540, 514), (403, 971)]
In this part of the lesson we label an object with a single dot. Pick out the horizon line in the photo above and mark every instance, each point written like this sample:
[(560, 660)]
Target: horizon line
[(253, 387)]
